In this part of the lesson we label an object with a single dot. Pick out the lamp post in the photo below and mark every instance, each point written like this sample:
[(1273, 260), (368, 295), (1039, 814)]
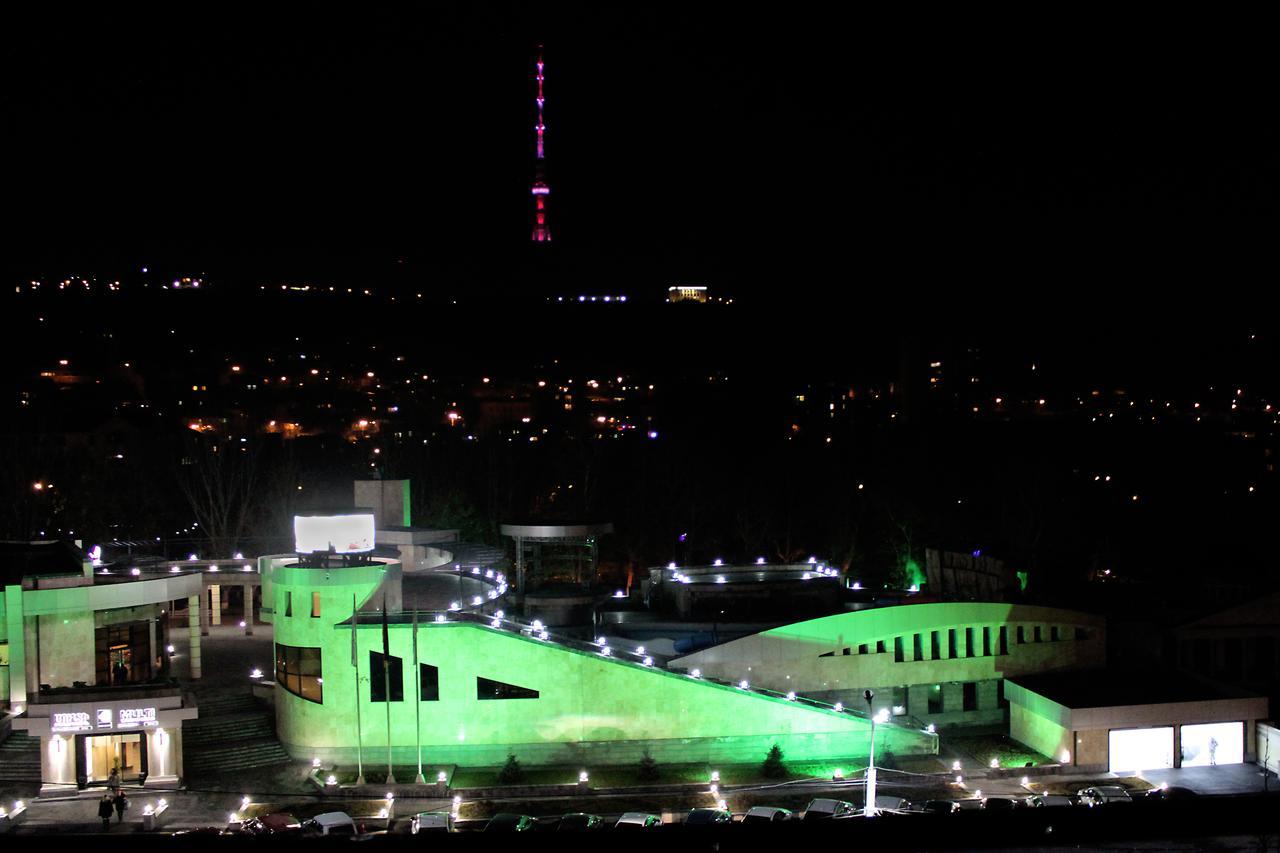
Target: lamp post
[(869, 807)]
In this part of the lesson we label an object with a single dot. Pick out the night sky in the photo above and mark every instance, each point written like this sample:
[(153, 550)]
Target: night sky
[(987, 163)]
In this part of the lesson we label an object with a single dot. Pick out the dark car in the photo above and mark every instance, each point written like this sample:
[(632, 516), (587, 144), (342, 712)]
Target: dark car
[(511, 823), (999, 804), (941, 806), (822, 808), (1173, 792), (766, 814), (579, 822), (273, 824), (708, 817)]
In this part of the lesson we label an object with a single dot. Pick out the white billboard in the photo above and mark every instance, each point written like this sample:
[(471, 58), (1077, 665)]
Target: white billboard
[(339, 534)]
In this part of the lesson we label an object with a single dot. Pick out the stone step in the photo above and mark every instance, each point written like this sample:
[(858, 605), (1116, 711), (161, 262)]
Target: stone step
[(20, 758), (229, 730), (249, 754)]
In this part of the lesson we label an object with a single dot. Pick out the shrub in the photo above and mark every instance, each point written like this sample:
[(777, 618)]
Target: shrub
[(773, 768), (511, 771), (648, 771)]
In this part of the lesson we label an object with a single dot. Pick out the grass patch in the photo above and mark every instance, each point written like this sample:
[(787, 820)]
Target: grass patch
[(1053, 786), (628, 775), (980, 749), (307, 809), (376, 774)]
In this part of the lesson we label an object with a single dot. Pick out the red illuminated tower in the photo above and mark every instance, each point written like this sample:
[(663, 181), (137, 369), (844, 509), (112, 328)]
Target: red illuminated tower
[(540, 191)]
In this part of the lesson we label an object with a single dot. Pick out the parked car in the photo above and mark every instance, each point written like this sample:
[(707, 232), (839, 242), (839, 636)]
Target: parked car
[(638, 820), (330, 823), (999, 804), (821, 809), (1050, 801), (708, 817), (940, 806), (766, 814), (272, 824), (968, 804), (1172, 792), (579, 822), (510, 823), (1100, 795), (431, 822)]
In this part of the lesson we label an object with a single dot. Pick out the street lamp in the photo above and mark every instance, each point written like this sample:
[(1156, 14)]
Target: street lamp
[(869, 808)]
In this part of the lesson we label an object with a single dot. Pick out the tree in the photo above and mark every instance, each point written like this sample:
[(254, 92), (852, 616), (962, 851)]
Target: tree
[(773, 768), (511, 772), (648, 771), (220, 483)]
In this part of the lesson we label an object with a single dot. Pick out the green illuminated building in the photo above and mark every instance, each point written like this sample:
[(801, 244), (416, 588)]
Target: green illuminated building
[(490, 691)]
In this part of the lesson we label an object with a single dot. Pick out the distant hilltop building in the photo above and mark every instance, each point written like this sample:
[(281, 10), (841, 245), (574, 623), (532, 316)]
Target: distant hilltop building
[(688, 293)]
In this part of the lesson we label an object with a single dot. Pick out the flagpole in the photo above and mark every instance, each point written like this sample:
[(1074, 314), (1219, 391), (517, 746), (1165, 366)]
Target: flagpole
[(386, 684), (355, 661), (417, 706)]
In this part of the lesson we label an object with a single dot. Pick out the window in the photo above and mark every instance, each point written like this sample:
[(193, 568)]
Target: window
[(986, 642), (968, 643), (429, 682), (970, 696), (1004, 639), (1082, 634), (951, 643), (1022, 634), (1055, 634), (879, 647), (935, 699), (288, 603), (378, 682), (935, 646), (1038, 637), (315, 605), (900, 695), (897, 650), (488, 689), (827, 654), (862, 648), (917, 647), (847, 650), (298, 671), (1000, 700)]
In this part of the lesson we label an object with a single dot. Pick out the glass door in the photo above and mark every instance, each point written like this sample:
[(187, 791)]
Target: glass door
[(124, 753)]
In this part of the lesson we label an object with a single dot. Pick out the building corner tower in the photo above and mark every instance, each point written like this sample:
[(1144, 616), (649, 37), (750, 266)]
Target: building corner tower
[(539, 190)]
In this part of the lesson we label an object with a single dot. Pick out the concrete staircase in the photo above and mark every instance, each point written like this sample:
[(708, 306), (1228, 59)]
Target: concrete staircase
[(233, 733), (20, 758)]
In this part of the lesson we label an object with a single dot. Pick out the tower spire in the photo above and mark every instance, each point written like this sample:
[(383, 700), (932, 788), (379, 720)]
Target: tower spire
[(540, 191)]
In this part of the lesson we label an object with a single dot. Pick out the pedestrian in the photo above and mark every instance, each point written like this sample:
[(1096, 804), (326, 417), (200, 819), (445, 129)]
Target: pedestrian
[(121, 803), (113, 781), (104, 810)]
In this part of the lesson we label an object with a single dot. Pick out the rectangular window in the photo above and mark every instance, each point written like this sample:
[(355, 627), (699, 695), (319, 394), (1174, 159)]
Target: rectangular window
[(378, 680), (487, 688), (315, 605), (1004, 639), (935, 645), (298, 671), (917, 647), (899, 702), (288, 603), (970, 696), (862, 648), (1038, 637), (429, 682), (969, 650), (1022, 634), (935, 699), (951, 643), (879, 647), (1082, 634), (1055, 634), (986, 642), (898, 656), (1000, 700)]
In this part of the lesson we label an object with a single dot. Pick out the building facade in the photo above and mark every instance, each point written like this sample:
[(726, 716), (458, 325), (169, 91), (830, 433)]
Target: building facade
[(939, 663)]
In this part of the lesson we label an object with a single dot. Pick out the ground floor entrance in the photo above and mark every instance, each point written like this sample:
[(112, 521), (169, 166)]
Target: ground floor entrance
[(1211, 744), (100, 754), (1140, 749)]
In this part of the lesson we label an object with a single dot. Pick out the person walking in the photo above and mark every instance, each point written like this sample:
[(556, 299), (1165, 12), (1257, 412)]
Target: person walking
[(113, 781), (121, 803), (104, 810)]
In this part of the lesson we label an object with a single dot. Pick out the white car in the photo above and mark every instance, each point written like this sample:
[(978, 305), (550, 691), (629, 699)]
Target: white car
[(330, 823), (431, 822), (1101, 795), (638, 820)]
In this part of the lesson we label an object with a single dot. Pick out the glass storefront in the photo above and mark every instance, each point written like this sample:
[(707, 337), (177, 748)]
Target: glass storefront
[(124, 752)]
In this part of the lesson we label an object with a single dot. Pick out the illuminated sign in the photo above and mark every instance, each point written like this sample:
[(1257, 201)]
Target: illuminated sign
[(104, 718), (338, 534), (133, 717), (71, 721)]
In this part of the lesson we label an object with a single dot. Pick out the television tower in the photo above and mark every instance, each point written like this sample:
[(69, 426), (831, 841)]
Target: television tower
[(540, 191)]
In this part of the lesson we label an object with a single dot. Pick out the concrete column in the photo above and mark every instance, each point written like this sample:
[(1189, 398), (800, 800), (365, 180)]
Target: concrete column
[(17, 646), (952, 697), (988, 697), (215, 604), (248, 609), (193, 626), (151, 645)]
